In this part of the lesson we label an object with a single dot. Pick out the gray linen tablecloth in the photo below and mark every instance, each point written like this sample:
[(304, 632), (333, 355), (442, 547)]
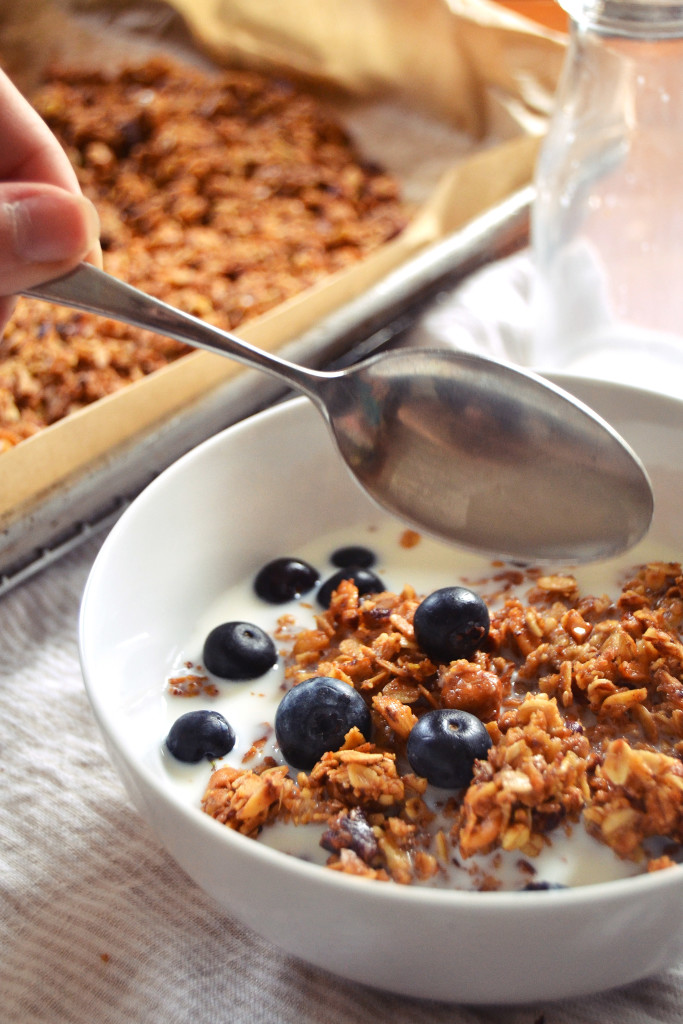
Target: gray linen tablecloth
[(100, 926)]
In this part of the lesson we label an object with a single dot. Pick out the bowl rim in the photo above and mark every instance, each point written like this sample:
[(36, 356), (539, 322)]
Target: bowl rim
[(446, 898)]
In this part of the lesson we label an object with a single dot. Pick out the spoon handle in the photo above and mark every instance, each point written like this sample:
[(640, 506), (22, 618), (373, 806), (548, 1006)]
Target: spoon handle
[(95, 291)]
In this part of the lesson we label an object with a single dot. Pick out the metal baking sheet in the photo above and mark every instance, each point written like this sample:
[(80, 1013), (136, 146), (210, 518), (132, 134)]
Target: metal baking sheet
[(381, 316)]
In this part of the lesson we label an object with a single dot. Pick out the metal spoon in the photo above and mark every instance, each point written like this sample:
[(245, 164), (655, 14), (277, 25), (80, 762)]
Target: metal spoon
[(464, 448)]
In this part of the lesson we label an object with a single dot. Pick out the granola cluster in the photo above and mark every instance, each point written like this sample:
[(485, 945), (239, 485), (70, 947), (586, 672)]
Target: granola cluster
[(223, 194), (581, 696)]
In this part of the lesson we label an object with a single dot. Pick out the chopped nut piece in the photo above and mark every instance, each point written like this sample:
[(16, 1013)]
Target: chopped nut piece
[(361, 777), (246, 800), (351, 864), (397, 715)]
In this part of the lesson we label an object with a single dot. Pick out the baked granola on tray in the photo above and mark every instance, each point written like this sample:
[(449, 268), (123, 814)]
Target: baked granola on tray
[(222, 193)]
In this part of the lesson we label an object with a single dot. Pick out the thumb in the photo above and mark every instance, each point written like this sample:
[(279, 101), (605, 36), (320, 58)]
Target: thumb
[(44, 232)]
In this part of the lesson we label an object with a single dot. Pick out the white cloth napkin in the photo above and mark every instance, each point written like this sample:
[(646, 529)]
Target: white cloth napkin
[(492, 314), (98, 924)]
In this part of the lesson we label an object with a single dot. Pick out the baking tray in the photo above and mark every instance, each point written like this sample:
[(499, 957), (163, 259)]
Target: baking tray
[(380, 317)]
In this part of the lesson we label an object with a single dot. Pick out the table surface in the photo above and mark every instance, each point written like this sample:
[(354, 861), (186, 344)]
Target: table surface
[(98, 925)]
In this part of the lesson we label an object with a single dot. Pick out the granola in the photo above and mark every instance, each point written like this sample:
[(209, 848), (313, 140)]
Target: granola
[(582, 698), (223, 194)]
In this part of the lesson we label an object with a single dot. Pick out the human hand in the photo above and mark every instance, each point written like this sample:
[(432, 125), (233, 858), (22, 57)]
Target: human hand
[(46, 225)]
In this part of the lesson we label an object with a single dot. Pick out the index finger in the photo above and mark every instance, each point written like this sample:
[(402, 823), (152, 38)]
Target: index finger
[(29, 151)]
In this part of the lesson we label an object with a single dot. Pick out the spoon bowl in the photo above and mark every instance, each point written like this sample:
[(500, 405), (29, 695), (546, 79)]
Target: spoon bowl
[(462, 447), (496, 459)]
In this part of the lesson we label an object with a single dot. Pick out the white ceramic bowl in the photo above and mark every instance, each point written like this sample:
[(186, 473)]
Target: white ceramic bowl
[(264, 488)]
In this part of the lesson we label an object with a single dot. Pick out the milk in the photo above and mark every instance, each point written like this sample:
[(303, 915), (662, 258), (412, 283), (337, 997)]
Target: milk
[(574, 859)]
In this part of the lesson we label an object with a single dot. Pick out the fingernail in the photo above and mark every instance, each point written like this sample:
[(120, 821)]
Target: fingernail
[(49, 229)]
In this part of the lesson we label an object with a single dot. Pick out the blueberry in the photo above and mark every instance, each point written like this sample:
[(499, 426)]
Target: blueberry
[(354, 555), (451, 623), (285, 579), (366, 580), (443, 746), (200, 734), (315, 716), (238, 650)]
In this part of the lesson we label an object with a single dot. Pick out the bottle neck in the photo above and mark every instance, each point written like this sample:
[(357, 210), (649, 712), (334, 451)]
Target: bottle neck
[(633, 19)]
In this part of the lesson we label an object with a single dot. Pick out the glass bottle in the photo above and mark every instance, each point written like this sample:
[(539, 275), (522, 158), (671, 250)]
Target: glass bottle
[(607, 223)]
